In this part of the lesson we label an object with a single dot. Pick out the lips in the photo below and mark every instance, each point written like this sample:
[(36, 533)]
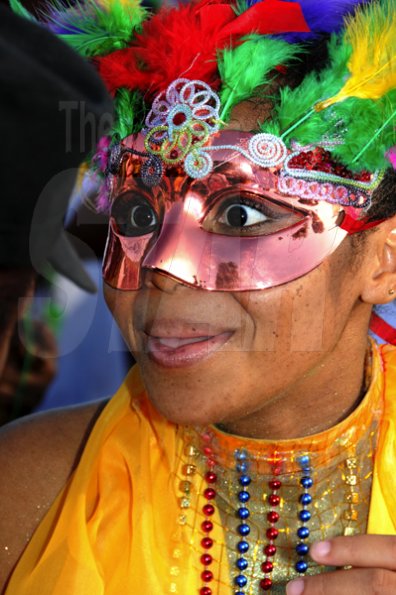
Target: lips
[(175, 344)]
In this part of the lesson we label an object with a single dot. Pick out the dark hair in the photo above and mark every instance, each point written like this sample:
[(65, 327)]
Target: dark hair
[(384, 198)]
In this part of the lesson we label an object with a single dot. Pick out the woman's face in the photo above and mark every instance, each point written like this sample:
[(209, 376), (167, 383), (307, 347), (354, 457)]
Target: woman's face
[(222, 357)]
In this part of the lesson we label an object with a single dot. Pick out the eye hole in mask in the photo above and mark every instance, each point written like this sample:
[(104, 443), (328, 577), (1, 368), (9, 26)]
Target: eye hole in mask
[(249, 214), (134, 215)]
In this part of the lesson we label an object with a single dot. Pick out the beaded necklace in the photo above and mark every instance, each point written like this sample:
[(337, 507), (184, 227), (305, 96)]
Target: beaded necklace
[(272, 500)]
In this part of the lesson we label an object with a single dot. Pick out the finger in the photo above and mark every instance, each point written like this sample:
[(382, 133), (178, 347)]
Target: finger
[(366, 581), (363, 551)]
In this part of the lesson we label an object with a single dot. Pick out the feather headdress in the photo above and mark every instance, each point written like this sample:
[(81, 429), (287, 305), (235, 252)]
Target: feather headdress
[(236, 46)]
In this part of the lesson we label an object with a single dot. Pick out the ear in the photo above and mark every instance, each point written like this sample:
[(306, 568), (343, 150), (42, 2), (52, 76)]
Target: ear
[(380, 287)]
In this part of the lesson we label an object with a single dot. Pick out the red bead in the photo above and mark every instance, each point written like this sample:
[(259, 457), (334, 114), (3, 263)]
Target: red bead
[(207, 450), (272, 533), (206, 559), (266, 584), (275, 484), (208, 509), (207, 576), (270, 550), (211, 477), (207, 543), (274, 499), (277, 470), (273, 516), (210, 493), (205, 591), (211, 463), (207, 526), (267, 566)]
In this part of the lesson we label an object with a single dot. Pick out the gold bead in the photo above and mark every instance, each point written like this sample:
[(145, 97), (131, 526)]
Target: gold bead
[(182, 519), (184, 502), (351, 480), (351, 463), (349, 531), (185, 486), (189, 469), (351, 515), (353, 498), (191, 451)]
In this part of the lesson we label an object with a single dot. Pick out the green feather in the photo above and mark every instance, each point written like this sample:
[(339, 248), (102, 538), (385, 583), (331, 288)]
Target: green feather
[(247, 67), (20, 10), (130, 112), (362, 120), (296, 104), (93, 29)]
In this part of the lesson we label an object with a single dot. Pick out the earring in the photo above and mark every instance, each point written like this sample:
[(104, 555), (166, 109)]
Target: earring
[(391, 291)]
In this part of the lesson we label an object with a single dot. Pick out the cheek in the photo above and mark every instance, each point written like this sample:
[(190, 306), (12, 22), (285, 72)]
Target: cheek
[(121, 304), (306, 315)]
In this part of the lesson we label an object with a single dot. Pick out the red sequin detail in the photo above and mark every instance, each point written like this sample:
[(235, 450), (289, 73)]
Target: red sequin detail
[(205, 591), (266, 584), (270, 550), (209, 493), (207, 450), (272, 533), (321, 160), (207, 576), (273, 516), (206, 559), (207, 526), (267, 566), (211, 477), (208, 509), (274, 499), (275, 484), (207, 543)]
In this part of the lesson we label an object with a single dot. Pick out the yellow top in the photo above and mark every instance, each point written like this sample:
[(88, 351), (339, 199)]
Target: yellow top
[(116, 529)]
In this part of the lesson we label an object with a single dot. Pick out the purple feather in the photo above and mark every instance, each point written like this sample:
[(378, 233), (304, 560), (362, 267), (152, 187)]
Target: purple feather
[(322, 17)]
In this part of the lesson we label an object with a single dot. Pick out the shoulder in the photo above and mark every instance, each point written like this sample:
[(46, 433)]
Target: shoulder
[(37, 456)]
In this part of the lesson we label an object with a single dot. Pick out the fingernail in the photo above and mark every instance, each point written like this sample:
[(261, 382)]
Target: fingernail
[(295, 587), (320, 549)]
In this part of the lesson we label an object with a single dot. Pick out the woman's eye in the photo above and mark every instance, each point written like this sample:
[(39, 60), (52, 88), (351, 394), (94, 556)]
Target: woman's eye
[(250, 215), (134, 216), (142, 217), (240, 215)]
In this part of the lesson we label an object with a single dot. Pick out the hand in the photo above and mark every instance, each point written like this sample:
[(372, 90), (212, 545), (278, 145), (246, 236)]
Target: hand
[(373, 561)]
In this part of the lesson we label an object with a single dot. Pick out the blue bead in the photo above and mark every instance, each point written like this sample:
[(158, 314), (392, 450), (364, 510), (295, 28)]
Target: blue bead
[(243, 547), (307, 470), (239, 593), (241, 455), (244, 480), (242, 467), (303, 460), (240, 580), (243, 496), (303, 532), (243, 529), (306, 482), (301, 566), (304, 515), (302, 549), (242, 563), (305, 499), (243, 513)]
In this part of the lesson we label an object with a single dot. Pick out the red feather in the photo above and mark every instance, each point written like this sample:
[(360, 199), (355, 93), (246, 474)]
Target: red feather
[(183, 42)]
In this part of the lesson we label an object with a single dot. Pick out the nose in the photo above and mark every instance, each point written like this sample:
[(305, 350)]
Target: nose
[(156, 279)]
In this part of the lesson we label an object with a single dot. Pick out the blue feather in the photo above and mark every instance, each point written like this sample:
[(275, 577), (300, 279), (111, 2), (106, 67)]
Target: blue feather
[(322, 17)]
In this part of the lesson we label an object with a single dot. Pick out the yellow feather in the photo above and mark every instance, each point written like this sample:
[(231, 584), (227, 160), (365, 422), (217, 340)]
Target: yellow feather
[(372, 66)]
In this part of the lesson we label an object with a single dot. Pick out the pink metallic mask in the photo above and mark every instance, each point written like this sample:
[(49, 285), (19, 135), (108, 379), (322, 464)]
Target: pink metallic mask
[(230, 231)]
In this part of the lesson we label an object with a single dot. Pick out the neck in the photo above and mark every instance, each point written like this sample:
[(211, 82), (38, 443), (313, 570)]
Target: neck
[(319, 400)]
